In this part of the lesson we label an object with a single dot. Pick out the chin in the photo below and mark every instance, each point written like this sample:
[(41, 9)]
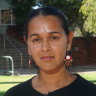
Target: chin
[(51, 70)]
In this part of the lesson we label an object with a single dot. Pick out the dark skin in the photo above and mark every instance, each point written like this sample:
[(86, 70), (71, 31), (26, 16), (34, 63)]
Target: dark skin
[(47, 44)]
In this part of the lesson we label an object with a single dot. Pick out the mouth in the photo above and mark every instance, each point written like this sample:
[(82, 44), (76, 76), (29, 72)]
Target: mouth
[(47, 58)]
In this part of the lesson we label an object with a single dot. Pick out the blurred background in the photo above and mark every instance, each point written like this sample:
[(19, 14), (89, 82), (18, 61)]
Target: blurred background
[(13, 50)]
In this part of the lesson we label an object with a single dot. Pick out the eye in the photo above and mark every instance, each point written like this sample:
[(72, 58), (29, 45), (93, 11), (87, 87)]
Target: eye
[(54, 38), (36, 40)]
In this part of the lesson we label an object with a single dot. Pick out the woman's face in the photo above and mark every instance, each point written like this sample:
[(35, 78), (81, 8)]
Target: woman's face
[(47, 43)]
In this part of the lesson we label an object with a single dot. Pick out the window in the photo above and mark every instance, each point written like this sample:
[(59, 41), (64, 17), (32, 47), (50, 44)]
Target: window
[(6, 17)]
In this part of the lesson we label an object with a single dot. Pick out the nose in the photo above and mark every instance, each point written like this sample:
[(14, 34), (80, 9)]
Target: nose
[(46, 46)]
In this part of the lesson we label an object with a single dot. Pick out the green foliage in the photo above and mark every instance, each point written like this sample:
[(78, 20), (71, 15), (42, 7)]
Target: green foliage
[(85, 19), (21, 9), (69, 7), (88, 10)]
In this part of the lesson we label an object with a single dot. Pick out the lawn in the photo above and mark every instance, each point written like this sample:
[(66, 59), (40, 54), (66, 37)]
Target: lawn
[(89, 76), (7, 82)]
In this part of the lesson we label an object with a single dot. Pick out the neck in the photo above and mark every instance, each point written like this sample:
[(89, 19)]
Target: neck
[(45, 82), (62, 76)]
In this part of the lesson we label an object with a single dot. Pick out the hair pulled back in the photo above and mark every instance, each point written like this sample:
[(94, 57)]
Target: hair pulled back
[(46, 11)]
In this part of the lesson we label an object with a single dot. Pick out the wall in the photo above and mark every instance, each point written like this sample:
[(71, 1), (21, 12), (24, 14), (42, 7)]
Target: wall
[(3, 5), (84, 51)]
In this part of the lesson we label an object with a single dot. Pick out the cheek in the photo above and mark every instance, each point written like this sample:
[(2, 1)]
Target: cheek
[(60, 48), (33, 50)]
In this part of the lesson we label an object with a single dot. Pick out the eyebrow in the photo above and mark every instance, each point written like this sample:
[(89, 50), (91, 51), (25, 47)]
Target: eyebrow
[(35, 34), (54, 32)]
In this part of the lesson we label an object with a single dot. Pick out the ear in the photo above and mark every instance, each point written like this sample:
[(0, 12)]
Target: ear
[(25, 39), (69, 38), (29, 52), (28, 49)]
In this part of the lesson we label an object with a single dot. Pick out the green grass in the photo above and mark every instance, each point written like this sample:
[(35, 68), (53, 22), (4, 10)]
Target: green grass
[(89, 76), (7, 82)]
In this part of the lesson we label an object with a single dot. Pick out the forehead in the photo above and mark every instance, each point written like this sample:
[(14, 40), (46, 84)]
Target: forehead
[(45, 18), (44, 24)]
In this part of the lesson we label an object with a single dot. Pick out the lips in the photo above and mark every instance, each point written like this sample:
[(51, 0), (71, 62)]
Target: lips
[(47, 58)]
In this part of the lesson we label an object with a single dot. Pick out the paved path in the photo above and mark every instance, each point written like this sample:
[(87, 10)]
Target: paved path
[(75, 69), (88, 68)]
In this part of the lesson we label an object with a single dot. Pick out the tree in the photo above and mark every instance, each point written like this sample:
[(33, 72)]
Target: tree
[(21, 8), (88, 11), (69, 7)]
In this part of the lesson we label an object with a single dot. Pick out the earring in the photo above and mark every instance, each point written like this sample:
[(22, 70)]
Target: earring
[(30, 62), (68, 59)]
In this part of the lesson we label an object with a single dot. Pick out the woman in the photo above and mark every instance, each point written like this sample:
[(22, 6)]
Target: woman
[(49, 39)]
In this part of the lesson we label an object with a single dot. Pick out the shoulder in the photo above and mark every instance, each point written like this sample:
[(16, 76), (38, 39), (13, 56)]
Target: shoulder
[(85, 85), (83, 81), (19, 89)]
